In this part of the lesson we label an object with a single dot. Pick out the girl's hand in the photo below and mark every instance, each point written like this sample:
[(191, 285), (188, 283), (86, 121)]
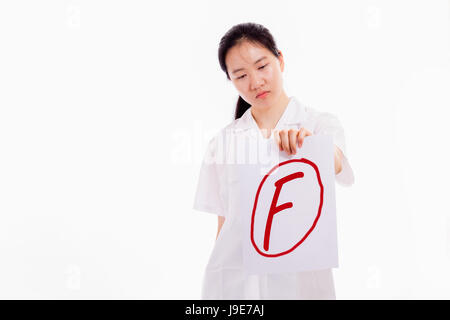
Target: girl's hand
[(289, 139)]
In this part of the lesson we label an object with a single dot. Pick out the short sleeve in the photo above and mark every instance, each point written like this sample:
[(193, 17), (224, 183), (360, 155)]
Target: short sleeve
[(208, 195), (330, 124)]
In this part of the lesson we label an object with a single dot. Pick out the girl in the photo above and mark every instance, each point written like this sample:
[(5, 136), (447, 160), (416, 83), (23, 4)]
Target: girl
[(250, 59)]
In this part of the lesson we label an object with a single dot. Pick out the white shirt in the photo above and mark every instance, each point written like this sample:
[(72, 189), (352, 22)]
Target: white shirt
[(224, 277)]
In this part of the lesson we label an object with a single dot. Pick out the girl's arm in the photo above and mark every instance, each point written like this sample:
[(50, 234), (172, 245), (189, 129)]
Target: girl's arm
[(221, 221)]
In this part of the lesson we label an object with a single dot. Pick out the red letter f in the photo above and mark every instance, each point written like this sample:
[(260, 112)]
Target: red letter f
[(274, 209)]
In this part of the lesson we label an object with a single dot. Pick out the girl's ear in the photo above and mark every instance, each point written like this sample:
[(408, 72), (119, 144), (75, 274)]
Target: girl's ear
[(281, 59)]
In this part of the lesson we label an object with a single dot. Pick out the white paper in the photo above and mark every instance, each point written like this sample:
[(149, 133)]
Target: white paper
[(302, 233)]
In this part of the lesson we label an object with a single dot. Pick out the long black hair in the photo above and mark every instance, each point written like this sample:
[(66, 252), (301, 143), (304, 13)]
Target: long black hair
[(252, 32)]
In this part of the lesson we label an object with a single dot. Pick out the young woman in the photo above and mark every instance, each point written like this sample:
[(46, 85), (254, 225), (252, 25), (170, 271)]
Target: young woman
[(250, 59)]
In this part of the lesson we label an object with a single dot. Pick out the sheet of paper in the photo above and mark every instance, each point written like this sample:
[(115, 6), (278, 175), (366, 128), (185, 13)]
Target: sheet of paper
[(288, 209)]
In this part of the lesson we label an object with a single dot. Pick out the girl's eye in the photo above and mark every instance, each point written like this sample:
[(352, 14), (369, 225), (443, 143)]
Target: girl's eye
[(258, 68)]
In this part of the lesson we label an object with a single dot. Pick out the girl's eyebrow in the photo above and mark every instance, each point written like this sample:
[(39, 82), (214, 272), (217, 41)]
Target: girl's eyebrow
[(254, 63)]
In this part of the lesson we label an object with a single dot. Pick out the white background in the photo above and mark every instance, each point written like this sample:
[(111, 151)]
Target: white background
[(106, 106)]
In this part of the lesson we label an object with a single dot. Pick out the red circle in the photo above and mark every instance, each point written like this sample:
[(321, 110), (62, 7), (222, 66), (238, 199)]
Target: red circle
[(312, 164)]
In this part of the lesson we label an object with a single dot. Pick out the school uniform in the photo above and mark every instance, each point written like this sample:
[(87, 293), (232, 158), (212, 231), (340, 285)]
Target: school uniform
[(224, 277)]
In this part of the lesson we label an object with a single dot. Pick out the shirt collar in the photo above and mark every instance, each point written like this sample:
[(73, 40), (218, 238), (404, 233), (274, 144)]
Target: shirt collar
[(295, 113)]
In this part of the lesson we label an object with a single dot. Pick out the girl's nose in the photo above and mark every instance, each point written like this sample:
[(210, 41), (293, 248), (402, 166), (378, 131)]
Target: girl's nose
[(256, 82)]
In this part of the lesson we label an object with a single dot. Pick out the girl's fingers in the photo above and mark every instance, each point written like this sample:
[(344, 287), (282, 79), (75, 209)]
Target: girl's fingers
[(301, 137), (308, 133), (292, 136), (285, 141)]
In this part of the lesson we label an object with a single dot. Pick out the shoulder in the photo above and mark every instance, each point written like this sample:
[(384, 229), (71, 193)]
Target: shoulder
[(319, 115), (328, 123), (320, 121)]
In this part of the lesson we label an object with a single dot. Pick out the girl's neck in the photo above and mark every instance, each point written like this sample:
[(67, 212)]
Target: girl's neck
[(267, 118)]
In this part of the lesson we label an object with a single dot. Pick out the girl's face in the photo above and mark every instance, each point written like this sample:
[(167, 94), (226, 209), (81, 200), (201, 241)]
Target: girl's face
[(254, 69)]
